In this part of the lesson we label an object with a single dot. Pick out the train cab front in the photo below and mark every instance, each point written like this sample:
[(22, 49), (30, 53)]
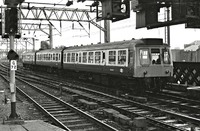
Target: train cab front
[(154, 65)]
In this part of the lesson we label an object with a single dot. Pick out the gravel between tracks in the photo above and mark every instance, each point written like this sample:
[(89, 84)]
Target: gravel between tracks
[(24, 108)]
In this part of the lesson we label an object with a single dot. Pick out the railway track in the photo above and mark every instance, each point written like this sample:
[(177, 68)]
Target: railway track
[(154, 112), (164, 118), (184, 105), (61, 113)]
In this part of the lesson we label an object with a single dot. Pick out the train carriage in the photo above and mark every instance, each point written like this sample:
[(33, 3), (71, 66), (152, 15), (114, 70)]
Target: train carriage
[(99, 58), (49, 60), (130, 64), (154, 59), (28, 59), (122, 62)]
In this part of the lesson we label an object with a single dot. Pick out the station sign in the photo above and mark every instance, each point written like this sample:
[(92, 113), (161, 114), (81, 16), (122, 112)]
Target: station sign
[(13, 65)]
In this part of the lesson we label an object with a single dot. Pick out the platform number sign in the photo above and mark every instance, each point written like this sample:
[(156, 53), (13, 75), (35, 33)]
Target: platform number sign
[(13, 65)]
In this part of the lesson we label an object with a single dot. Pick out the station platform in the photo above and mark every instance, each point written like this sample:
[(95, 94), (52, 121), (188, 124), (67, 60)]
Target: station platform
[(33, 125)]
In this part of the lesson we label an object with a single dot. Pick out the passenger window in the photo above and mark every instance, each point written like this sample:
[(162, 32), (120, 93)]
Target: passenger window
[(90, 57), (51, 57), (84, 57), (68, 57), (54, 57), (80, 56), (144, 57), (155, 56), (59, 57), (103, 57), (73, 57), (98, 57), (112, 57), (166, 56), (64, 57), (45, 57), (76, 57), (122, 57)]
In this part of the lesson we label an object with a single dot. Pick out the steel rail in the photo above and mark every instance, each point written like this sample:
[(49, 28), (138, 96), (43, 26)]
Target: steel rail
[(123, 110), (98, 122), (142, 105), (57, 122)]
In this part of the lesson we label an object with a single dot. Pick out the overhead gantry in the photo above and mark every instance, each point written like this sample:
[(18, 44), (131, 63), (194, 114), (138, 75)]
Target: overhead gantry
[(58, 14)]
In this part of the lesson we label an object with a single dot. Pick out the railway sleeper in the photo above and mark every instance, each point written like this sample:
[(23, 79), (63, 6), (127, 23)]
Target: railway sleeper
[(65, 114), (83, 126), (69, 118), (56, 109), (73, 121), (50, 107), (49, 104), (60, 112)]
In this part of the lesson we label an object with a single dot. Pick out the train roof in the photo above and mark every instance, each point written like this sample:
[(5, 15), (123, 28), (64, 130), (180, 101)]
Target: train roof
[(28, 53), (118, 44), (49, 51), (112, 45)]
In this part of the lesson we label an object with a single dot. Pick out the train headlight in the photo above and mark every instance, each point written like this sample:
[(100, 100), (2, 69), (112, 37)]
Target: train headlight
[(167, 72)]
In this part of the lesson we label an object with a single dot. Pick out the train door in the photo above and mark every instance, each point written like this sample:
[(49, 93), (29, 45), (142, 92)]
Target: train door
[(76, 60), (144, 59), (97, 57), (103, 57)]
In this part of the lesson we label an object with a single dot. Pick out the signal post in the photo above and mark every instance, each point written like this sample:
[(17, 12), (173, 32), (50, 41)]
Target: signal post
[(11, 29), (12, 80)]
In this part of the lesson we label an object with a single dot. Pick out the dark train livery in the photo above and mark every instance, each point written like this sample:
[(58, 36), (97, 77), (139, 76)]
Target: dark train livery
[(125, 64)]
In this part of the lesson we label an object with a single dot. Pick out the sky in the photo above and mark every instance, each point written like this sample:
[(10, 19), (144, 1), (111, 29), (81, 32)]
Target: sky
[(121, 30)]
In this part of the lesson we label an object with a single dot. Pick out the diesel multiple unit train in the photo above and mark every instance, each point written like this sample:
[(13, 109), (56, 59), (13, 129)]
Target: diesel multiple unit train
[(136, 65)]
